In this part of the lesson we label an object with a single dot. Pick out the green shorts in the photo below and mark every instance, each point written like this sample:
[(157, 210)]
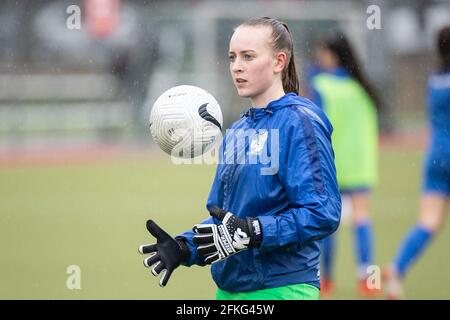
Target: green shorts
[(300, 291)]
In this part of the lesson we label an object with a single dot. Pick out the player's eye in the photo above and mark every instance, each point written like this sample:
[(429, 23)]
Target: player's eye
[(248, 56), (231, 57)]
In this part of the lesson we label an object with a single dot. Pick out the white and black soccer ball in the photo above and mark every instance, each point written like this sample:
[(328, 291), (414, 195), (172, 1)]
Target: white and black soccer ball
[(186, 121)]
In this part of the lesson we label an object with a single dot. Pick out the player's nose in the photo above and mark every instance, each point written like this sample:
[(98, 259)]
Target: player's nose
[(237, 67)]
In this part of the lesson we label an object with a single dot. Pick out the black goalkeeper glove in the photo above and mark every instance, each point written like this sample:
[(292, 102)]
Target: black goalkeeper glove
[(167, 253), (217, 242)]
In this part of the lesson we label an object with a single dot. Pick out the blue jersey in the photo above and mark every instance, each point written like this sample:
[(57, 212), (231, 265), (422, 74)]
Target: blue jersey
[(439, 108), (295, 196), (437, 164)]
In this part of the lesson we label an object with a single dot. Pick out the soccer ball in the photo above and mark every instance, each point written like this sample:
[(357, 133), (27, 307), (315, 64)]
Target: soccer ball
[(185, 121)]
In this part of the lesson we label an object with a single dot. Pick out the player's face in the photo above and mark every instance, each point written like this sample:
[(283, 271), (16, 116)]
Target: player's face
[(326, 59), (253, 64)]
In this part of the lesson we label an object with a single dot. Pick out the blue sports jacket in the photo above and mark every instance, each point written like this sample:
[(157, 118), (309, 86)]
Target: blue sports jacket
[(438, 102), (296, 199)]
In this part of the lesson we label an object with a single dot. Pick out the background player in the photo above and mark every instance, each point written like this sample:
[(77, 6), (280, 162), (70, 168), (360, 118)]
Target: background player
[(436, 181), (343, 91)]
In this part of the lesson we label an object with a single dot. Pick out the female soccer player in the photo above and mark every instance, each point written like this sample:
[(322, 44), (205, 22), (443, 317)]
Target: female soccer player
[(342, 90), (263, 237), (436, 181)]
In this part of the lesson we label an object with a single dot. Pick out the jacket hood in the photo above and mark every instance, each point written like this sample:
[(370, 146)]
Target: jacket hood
[(287, 100), (290, 99)]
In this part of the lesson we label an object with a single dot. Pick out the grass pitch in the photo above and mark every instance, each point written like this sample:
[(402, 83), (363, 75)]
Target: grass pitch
[(93, 216)]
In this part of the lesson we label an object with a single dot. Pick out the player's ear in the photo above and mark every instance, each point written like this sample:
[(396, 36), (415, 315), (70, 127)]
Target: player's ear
[(280, 61)]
